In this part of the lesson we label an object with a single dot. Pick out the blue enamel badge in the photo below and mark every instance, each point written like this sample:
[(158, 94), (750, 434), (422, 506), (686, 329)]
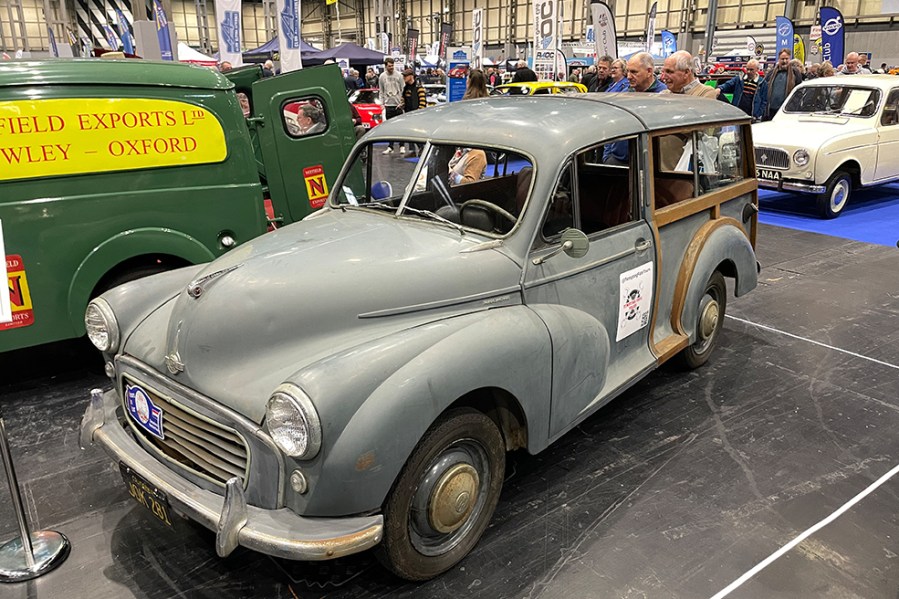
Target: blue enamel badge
[(143, 410)]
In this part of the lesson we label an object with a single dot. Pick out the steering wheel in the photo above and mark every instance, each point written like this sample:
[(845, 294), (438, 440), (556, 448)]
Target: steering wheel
[(490, 206)]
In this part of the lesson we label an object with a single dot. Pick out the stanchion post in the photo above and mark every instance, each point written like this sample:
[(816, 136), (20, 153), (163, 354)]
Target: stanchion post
[(32, 554)]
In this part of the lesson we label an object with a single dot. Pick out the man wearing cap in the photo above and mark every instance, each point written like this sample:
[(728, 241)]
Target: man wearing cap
[(413, 99)]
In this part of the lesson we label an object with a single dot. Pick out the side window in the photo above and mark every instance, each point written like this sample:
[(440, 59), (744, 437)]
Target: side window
[(890, 115), (673, 177), (605, 197), (719, 157), (304, 117)]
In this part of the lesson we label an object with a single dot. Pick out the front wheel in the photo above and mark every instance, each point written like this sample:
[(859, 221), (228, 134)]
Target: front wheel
[(709, 320), (444, 497), (835, 197)]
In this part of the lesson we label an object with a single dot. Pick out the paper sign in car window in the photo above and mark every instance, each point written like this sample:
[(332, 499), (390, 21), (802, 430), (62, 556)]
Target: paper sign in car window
[(43, 138)]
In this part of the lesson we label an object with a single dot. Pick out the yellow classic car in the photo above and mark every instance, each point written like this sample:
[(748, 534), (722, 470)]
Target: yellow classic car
[(534, 88)]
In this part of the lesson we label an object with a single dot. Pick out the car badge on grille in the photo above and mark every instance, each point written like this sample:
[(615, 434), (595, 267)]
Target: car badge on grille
[(173, 363), (196, 287), (764, 158), (172, 359), (145, 413)]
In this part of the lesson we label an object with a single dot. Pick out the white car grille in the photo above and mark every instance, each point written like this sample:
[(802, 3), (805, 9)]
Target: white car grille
[(772, 158)]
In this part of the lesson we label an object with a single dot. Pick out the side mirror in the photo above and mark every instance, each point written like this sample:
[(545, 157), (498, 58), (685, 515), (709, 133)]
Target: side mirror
[(574, 243)]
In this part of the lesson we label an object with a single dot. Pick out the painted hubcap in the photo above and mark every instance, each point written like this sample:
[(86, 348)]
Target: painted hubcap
[(709, 320), (838, 197), (453, 498)]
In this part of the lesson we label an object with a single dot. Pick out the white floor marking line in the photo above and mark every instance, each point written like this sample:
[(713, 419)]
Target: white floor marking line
[(735, 584), (844, 351)]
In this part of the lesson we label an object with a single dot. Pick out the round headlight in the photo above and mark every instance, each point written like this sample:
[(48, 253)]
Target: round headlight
[(101, 325), (293, 423), (800, 157)]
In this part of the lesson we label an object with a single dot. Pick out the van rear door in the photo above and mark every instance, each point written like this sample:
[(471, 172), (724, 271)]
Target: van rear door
[(305, 132)]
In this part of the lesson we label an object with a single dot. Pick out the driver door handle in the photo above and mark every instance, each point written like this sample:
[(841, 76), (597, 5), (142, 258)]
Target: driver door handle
[(643, 245)]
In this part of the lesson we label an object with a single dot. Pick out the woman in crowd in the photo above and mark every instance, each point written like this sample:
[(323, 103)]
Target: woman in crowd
[(477, 85), (618, 72)]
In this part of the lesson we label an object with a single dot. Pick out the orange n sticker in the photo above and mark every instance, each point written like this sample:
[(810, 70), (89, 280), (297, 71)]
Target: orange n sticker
[(19, 295), (316, 185)]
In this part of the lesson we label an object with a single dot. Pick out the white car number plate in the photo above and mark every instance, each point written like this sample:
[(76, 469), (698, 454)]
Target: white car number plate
[(764, 173)]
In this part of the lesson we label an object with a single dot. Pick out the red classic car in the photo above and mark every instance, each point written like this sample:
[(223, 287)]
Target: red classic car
[(368, 103)]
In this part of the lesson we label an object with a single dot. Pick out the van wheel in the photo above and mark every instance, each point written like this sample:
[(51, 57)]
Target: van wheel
[(709, 320), (444, 497), (127, 276), (834, 198)]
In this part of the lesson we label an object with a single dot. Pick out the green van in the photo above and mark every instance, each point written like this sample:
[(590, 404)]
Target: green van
[(113, 170)]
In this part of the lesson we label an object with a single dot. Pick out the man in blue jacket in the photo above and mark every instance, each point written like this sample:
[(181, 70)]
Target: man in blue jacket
[(750, 91)]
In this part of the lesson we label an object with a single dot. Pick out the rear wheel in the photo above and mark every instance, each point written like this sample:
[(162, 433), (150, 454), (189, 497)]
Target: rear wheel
[(835, 197), (444, 497), (710, 318)]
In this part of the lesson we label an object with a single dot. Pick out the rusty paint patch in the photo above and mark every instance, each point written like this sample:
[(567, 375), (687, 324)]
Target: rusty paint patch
[(365, 461)]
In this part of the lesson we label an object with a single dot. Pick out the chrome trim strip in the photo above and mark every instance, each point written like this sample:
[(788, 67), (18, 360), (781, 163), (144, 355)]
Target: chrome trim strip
[(487, 295)]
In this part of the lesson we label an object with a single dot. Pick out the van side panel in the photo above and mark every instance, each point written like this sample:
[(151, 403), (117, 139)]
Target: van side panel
[(71, 230)]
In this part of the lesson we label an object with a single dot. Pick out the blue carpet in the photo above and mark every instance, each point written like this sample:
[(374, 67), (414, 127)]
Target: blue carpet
[(872, 215)]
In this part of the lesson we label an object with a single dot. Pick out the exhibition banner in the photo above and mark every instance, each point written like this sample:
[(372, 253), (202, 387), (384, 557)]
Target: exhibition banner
[(784, 28), (124, 31), (458, 63), (111, 38), (53, 49), (289, 28), (832, 35), (651, 27), (446, 31), (384, 41), (669, 43), (162, 32), (546, 38), (798, 48), (227, 15), (477, 37), (604, 30), (412, 44)]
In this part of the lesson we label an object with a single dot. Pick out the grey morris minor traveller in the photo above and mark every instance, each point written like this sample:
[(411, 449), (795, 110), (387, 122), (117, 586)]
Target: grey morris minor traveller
[(355, 380)]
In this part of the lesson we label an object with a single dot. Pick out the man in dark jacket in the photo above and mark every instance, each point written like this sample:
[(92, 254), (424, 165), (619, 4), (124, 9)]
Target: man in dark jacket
[(603, 78), (780, 82), (414, 98), (749, 90), (523, 73)]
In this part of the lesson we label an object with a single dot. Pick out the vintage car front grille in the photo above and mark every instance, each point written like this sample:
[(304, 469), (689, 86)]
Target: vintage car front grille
[(199, 444), (772, 158)]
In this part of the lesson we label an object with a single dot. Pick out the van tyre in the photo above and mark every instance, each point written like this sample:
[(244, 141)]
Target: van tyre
[(444, 497), (836, 196), (709, 320)]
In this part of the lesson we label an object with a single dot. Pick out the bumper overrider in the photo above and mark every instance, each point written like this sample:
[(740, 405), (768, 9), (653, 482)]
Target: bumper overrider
[(277, 532)]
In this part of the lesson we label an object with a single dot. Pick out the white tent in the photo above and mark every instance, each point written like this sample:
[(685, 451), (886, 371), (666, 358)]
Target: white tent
[(188, 54)]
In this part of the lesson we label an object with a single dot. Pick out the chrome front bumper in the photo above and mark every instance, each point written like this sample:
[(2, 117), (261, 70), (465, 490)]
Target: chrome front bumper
[(280, 533), (792, 186)]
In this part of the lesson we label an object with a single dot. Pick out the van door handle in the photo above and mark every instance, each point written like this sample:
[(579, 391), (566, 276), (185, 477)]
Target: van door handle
[(643, 245)]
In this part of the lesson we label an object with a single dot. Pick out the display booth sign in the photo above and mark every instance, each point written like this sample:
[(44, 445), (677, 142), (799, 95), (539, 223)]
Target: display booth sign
[(458, 66), (49, 137)]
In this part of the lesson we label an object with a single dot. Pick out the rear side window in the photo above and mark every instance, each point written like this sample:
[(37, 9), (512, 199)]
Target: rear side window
[(304, 117)]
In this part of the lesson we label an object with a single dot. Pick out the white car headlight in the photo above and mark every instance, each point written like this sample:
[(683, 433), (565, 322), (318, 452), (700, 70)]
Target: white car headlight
[(101, 325), (800, 157), (293, 423)]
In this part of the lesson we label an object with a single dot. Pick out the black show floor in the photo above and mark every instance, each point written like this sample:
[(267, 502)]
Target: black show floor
[(676, 489)]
